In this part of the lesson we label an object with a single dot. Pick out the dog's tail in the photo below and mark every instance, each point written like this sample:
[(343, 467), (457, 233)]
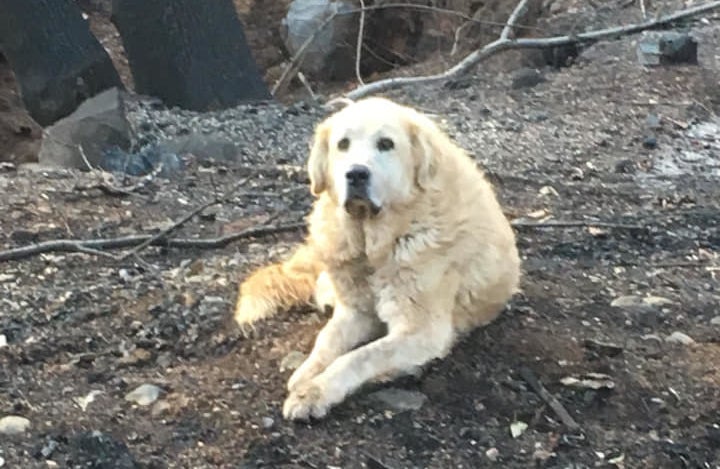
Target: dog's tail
[(278, 287)]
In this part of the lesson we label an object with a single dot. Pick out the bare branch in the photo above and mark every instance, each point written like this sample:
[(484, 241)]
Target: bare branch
[(573, 224), (514, 16), (95, 246), (504, 44), (358, 50), (551, 400)]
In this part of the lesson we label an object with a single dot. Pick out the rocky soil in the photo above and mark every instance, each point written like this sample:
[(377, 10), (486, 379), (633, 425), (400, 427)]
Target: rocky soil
[(136, 362)]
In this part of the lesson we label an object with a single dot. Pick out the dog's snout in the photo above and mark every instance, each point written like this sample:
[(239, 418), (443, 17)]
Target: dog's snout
[(358, 175)]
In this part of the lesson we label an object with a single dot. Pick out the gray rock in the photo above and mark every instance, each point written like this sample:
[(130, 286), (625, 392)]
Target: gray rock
[(678, 337), (331, 53), (267, 422), (292, 361), (144, 394), (399, 399), (715, 321), (14, 425), (666, 47), (97, 125)]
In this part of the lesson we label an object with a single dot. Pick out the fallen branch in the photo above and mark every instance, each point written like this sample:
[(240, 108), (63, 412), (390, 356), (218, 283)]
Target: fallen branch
[(95, 246), (551, 400), (504, 43), (573, 224)]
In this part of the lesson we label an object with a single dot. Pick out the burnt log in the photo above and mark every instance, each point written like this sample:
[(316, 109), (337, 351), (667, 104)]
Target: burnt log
[(189, 53), (57, 61)]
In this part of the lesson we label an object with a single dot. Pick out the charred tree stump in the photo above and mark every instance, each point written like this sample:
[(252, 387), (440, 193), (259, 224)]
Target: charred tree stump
[(57, 61), (190, 53)]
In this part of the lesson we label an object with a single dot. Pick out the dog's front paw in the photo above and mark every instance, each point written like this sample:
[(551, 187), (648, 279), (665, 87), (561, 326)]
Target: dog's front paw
[(305, 372), (305, 401)]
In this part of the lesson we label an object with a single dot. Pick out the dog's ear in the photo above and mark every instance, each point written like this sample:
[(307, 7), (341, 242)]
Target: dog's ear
[(318, 161), (427, 144)]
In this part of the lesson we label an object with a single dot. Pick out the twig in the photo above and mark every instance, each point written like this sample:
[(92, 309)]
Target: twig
[(93, 246), (505, 44), (189, 216), (307, 86), (573, 224), (358, 47), (551, 400)]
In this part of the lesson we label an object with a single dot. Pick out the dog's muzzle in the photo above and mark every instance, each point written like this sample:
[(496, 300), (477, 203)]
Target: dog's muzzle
[(357, 202)]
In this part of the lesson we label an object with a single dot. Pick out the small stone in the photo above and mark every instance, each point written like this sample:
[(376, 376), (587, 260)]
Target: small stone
[(492, 454), (517, 428), (628, 301), (14, 425), (678, 337), (2, 461), (650, 142), (399, 399), (715, 321), (137, 357), (144, 394), (292, 361), (3, 341), (267, 422)]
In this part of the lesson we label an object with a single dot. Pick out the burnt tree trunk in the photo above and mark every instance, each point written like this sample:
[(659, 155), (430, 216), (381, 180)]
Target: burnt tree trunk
[(57, 61), (189, 53)]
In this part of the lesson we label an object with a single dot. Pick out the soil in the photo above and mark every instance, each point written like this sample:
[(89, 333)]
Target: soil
[(604, 140)]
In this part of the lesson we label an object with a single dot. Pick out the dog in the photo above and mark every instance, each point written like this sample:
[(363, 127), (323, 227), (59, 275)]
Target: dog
[(407, 243)]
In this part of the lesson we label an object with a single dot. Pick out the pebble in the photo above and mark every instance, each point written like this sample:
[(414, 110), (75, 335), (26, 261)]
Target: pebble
[(13, 425), (650, 142), (715, 321), (399, 399), (267, 422), (492, 454), (3, 341), (637, 300), (678, 337), (292, 361), (2, 461), (144, 394)]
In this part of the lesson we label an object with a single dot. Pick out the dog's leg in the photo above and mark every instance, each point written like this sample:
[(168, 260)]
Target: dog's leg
[(346, 329), (419, 330)]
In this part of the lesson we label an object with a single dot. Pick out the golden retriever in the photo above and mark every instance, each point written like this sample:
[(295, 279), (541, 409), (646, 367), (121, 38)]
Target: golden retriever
[(407, 243)]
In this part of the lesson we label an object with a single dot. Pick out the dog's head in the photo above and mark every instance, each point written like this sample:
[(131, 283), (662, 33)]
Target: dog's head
[(374, 154)]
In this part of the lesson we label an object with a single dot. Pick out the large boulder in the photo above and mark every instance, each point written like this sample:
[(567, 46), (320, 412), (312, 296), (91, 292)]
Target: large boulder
[(82, 138)]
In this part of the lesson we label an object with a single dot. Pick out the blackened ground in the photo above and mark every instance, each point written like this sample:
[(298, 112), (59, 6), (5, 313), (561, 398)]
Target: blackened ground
[(571, 148)]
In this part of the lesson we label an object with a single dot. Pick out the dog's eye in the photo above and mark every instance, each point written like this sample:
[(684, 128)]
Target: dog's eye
[(343, 144), (385, 144)]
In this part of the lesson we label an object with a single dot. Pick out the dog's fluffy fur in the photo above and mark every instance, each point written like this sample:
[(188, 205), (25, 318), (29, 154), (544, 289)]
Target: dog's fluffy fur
[(435, 257)]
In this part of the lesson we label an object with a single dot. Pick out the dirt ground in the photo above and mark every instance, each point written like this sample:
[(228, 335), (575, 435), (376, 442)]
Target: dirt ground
[(603, 141)]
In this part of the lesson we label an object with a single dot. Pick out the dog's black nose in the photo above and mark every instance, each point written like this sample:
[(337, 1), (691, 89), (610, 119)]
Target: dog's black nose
[(358, 175)]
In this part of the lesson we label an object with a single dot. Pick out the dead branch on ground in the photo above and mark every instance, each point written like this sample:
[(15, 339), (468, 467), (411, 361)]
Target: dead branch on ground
[(139, 242), (551, 400), (504, 43), (96, 246)]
